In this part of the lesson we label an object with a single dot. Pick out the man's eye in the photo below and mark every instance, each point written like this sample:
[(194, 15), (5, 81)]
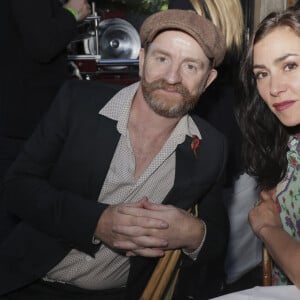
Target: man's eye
[(191, 67), (161, 59)]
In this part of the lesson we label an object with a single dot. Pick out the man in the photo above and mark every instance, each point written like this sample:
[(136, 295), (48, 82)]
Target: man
[(101, 189)]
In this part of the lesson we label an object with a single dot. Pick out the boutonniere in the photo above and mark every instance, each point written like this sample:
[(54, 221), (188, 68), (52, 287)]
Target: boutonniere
[(195, 144)]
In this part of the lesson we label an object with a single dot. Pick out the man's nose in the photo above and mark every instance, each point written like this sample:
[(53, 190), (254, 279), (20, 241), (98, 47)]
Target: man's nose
[(173, 74)]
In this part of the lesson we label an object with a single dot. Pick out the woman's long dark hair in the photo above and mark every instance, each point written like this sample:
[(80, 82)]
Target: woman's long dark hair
[(264, 136)]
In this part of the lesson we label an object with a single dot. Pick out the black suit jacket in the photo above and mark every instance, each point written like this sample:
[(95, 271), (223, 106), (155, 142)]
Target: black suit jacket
[(51, 192), (34, 37)]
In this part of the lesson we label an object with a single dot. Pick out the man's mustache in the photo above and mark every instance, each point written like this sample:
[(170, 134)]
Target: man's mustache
[(162, 84)]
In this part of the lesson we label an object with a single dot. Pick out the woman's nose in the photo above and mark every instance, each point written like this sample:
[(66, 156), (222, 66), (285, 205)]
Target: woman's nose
[(277, 85)]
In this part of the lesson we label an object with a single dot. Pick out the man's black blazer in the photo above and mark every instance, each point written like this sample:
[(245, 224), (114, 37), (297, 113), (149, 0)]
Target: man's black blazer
[(51, 193)]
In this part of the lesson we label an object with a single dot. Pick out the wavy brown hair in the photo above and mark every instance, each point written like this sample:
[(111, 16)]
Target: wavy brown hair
[(264, 136)]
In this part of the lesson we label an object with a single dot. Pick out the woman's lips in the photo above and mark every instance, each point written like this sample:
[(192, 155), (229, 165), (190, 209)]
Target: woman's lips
[(281, 106)]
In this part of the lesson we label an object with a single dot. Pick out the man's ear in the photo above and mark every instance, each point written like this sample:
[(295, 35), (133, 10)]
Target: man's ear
[(141, 61), (213, 73)]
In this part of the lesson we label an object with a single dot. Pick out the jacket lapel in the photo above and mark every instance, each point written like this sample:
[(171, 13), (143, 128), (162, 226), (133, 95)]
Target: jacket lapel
[(107, 137), (185, 164)]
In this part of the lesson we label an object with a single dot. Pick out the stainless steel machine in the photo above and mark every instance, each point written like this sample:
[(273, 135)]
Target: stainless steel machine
[(105, 49)]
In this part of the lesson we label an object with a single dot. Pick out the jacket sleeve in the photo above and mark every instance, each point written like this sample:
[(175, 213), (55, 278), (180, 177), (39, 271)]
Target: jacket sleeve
[(213, 212), (45, 27), (29, 193)]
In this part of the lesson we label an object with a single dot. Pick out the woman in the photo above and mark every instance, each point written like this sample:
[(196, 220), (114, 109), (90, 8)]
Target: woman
[(269, 117)]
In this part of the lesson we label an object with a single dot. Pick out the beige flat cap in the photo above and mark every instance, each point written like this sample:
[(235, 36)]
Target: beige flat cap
[(208, 36)]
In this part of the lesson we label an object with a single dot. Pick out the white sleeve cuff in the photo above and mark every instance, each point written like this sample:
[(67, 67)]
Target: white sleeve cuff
[(193, 255)]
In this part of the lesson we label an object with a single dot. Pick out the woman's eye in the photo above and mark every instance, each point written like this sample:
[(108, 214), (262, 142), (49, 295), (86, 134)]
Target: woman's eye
[(260, 75), (290, 66)]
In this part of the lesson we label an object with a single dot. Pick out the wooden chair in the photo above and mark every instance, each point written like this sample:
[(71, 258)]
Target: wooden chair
[(162, 282), (163, 279), (267, 267)]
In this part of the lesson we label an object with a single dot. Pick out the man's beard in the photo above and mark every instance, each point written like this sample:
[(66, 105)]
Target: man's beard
[(166, 106)]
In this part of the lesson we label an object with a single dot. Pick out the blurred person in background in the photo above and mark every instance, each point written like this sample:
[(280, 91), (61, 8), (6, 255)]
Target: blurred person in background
[(34, 65), (35, 34)]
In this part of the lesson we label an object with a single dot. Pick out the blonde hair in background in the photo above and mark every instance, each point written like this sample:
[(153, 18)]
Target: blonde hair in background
[(227, 15)]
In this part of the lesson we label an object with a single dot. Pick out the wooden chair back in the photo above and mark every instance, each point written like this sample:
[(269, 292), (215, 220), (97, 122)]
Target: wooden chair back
[(267, 267)]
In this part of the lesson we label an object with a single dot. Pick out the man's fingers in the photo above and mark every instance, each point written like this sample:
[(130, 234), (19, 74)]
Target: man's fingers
[(140, 236), (146, 252), (142, 217), (140, 242)]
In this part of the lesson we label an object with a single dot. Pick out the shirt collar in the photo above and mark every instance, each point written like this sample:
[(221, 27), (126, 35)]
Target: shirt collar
[(118, 107)]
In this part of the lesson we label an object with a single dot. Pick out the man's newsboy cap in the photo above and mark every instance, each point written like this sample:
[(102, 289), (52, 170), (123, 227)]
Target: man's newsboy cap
[(208, 36)]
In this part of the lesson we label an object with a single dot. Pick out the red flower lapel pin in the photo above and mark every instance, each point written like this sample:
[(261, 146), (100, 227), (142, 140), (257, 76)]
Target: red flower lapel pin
[(195, 144)]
